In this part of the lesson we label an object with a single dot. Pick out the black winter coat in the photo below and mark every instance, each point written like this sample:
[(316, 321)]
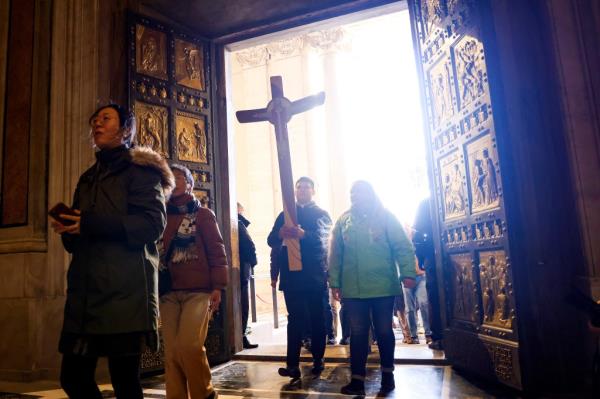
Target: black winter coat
[(112, 278), (316, 224), (247, 249)]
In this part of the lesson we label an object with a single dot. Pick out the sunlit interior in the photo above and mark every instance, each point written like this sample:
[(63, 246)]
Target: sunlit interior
[(370, 126)]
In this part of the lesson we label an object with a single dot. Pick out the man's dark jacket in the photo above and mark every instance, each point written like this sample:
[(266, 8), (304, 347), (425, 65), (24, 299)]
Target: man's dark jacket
[(316, 224), (112, 278), (246, 247)]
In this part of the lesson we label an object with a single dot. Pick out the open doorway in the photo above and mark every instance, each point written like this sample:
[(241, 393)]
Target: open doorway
[(369, 128)]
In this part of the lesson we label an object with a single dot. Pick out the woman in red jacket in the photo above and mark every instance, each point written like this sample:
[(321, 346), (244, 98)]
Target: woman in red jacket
[(194, 255)]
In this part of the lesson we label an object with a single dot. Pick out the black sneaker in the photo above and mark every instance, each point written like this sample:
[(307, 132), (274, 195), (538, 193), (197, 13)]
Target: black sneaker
[(318, 367), (292, 372), (247, 345), (331, 341), (355, 388), (387, 382), (345, 341), (436, 345)]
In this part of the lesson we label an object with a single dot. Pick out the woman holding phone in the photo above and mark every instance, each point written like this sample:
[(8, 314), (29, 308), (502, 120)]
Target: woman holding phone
[(118, 215)]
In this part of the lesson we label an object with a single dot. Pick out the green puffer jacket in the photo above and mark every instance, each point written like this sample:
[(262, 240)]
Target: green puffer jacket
[(366, 253)]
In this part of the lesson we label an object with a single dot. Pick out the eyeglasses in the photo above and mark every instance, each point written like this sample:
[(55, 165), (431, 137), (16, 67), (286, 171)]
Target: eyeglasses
[(100, 119)]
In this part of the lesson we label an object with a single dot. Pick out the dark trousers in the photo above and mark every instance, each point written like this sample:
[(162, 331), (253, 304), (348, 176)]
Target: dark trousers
[(328, 315), (435, 316), (245, 304), (344, 321), (245, 273), (360, 312), (77, 377), (303, 305), (327, 318)]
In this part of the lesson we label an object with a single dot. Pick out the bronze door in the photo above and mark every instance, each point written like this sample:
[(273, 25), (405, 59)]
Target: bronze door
[(467, 189), (170, 91)]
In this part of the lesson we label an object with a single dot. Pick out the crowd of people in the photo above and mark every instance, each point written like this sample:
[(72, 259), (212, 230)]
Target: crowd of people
[(144, 247), (369, 265)]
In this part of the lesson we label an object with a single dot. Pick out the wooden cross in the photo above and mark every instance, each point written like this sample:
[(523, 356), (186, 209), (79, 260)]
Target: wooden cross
[(279, 111)]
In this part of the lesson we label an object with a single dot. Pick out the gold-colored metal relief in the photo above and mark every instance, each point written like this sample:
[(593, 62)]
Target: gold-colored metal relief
[(470, 69), (463, 286), (189, 64), (503, 361), (483, 174), (153, 131), (432, 12), (453, 186), (150, 52), (204, 197), (441, 84), (495, 288), (190, 131)]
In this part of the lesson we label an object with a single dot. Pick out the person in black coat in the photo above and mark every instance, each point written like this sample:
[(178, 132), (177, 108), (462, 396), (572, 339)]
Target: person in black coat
[(247, 262), (423, 242), (303, 290), (111, 308)]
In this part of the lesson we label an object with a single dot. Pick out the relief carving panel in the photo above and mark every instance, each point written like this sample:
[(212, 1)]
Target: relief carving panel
[(465, 302), (502, 358), (483, 174), (189, 64), (153, 130), (441, 86), (204, 197), (470, 70), (190, 131), (151, 52), (495, 289), (432, 12), (454, 193)]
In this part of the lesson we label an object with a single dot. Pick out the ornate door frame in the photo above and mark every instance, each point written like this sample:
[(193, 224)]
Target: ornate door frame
[(170, 90), (481, 332)]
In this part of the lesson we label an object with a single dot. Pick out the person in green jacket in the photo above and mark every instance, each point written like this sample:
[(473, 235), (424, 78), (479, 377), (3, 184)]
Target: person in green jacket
[(369, 255)]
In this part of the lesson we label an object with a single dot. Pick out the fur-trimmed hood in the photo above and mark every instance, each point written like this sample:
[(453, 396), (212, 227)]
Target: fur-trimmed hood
[(145, 156)]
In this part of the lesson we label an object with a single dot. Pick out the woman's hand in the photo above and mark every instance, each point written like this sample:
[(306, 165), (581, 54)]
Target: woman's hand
[(336, 294), (72, 229), (214, 300)]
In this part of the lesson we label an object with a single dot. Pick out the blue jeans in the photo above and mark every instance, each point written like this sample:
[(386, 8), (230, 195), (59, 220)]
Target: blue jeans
[(412, 297), (360, 312)]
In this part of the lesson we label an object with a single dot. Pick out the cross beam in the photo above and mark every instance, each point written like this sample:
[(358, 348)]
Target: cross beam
[(278, 112)]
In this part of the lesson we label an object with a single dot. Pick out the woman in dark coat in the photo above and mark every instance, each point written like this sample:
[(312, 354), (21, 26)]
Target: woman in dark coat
[(112, 303)]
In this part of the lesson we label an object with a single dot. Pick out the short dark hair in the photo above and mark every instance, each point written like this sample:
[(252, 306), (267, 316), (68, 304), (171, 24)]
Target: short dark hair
[(126, 121), (305, 179), (186, 172)]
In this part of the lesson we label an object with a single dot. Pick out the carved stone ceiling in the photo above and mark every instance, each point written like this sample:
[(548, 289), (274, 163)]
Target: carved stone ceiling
[(217, 18)]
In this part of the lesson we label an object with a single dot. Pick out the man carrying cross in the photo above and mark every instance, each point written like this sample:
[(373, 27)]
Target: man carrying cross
[(299, 236), (303, 290)]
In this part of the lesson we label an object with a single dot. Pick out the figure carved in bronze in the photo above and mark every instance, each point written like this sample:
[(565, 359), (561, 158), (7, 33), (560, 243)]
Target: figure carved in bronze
[(189, 64), (153, 127), (191, 139), (151, 52), (470, 72)]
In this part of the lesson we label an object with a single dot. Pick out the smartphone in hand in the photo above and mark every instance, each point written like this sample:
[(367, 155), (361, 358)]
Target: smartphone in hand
[(62, 209)]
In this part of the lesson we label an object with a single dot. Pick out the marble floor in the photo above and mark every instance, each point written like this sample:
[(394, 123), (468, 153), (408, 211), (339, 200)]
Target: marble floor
[(259, 379)]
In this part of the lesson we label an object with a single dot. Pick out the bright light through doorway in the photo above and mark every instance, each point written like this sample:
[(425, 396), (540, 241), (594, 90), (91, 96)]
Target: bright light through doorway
[(381, 112), (370, 126)]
